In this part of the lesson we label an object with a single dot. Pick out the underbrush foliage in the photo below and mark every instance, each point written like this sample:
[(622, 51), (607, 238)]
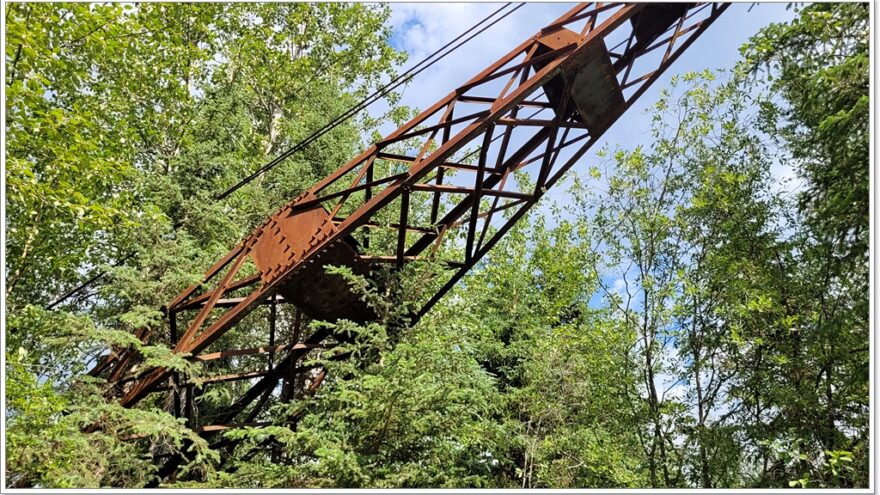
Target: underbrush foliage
[(682, 318)]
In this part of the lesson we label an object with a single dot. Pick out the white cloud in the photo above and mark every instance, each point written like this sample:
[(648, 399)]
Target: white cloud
[(422, 28)]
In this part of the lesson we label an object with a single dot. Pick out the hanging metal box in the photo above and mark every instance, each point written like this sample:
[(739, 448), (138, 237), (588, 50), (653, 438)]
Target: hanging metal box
[(284, 241), (594, 89), (653, 20)]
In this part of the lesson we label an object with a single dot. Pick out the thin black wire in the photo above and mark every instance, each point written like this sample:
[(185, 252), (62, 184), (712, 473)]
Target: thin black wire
[(377, 95)]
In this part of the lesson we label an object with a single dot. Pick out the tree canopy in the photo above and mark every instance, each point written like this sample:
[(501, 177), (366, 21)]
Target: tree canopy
[(682, 319)]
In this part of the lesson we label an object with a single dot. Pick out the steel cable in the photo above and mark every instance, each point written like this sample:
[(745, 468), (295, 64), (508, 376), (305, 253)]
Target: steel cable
[(377, 95)]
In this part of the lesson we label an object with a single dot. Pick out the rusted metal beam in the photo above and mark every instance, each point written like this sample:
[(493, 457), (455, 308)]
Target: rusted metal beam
[(566, 63), (226, 302), (214, 270), (445, 165), (393, 226), (471, 191), (255, 350), (213, 428)]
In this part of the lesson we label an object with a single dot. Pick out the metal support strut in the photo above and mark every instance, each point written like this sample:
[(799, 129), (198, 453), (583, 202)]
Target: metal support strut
[(533, 114)]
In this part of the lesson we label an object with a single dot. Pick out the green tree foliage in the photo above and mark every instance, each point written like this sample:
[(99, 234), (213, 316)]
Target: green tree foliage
[(47, 446), (407, 410), (675, 222), (124, 121), (560, 363), (679, 322), (818, 66)]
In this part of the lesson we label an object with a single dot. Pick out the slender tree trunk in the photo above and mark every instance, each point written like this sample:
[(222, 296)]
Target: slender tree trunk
[(658, 445), (830, 443), (14, 65), (12, 281), (701, 424), (757, 398), (696, 350)]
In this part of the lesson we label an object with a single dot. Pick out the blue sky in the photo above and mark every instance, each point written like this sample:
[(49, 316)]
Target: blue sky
[(421, 28)]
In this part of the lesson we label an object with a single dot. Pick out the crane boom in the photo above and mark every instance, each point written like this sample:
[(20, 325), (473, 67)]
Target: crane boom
[(434, 189)]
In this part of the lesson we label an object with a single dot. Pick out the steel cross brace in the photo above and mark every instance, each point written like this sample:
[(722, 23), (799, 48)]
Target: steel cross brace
[(575, 78)]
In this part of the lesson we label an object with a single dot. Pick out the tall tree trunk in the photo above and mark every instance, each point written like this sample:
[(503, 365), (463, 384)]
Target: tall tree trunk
[(696, 352), (705, 479), (658, 445)]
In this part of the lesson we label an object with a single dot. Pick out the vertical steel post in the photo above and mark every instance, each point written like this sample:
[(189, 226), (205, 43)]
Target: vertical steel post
[(540, 73)]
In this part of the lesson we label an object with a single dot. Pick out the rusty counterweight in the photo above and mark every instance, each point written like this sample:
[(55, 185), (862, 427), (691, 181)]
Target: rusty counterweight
[(437, 186)]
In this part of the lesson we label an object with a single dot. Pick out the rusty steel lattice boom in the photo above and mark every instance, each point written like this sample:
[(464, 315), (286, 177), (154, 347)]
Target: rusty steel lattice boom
[(434, 188)]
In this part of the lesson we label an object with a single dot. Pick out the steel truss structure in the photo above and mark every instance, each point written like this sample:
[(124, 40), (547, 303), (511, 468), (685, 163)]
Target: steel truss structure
[(445, 187)]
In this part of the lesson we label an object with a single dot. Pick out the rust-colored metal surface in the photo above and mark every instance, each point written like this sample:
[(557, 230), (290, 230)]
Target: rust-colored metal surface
[(535, 111), (286, 238)]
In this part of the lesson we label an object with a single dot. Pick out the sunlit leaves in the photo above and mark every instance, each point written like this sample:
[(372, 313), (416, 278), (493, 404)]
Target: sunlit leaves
[(123, 122)]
